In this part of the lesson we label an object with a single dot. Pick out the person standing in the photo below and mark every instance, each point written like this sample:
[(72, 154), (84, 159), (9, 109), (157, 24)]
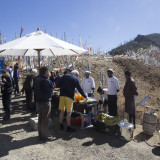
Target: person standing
[(57, 79), (43, 88), (6, 88), (67, 84), (29, 89), (88, 84), (5, 68), (129, 92), (52, 77), (16, 79), (113, 89)]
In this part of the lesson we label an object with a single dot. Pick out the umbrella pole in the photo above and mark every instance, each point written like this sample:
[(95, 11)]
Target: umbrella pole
[(39, 58)]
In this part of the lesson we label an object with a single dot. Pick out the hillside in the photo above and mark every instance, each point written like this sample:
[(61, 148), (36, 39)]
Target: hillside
[(141, 41)]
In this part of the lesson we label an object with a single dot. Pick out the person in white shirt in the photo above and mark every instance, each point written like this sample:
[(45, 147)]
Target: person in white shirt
[(103, 97), (113, 89), (88, 84)]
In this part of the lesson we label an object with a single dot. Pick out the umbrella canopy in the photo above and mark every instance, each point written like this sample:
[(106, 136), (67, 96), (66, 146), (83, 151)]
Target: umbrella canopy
[(45, 44)]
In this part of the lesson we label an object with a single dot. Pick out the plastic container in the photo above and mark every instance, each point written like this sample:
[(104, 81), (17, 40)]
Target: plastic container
[(76, 121)]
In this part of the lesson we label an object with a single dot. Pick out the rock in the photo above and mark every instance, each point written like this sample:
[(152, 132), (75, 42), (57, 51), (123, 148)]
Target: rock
[(33, 122)]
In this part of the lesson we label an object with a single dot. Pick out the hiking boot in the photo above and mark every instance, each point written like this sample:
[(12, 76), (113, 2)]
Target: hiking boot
[(69, 129), (61, 126)]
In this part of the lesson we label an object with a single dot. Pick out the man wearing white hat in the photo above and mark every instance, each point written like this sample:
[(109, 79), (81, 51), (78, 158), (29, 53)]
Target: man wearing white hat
[(88, 84), (113, 89)]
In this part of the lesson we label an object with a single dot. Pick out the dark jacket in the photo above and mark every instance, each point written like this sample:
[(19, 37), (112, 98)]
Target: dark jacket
[(57, 80), (7, 88), (67, 86), (129, 91), (52, 79), (28, 83), (16, 74), (43, 88)]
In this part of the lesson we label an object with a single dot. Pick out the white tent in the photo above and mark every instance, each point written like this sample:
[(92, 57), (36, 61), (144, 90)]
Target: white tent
[(39, 44)]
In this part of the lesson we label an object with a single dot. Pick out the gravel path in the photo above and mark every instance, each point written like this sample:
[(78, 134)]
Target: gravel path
[(19, 142)]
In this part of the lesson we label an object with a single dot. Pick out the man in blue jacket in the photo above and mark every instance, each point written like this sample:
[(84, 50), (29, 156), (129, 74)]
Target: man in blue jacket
[(16, 79), (67, 85), (43, 88)]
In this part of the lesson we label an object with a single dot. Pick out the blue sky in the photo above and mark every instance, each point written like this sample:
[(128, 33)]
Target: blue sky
[(107, 22)]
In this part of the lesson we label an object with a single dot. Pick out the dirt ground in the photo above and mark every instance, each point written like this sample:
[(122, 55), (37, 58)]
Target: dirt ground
[(18, 141)]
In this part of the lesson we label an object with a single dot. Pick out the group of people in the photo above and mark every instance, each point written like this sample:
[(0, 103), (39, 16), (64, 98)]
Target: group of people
[(9, 83), (68, 83), (41, 87), (108, 96)]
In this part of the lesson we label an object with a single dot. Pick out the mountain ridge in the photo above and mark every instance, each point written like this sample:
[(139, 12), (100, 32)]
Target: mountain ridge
[(141, 41)]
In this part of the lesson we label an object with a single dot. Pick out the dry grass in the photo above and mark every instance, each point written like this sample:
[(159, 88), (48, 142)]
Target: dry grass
[(147, 79)]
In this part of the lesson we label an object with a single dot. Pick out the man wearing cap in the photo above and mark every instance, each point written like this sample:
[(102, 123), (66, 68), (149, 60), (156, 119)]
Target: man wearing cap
[(67, 84), (113, 89), (88, 84)]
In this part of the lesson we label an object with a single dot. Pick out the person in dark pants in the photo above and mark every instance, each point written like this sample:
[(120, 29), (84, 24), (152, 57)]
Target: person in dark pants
[(113, 89), (129, 92), (43, 88), (29, 90), (16, 79), (6, 88)]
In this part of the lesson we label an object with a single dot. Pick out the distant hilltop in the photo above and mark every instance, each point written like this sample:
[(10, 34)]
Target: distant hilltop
[(141, 41)]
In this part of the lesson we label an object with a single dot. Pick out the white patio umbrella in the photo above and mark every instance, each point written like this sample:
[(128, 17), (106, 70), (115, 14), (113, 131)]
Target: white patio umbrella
[(39, 44)]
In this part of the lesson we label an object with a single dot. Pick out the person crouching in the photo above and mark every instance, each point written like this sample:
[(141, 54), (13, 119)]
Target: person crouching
[(103, 97)]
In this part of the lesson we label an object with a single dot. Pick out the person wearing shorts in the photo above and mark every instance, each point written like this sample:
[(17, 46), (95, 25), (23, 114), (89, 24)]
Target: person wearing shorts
[(67, 85)]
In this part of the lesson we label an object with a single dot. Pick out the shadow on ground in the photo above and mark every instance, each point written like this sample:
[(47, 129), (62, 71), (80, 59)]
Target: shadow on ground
[(156, 151), (7, 144), (142, 137), (98, 138), (21, 115)]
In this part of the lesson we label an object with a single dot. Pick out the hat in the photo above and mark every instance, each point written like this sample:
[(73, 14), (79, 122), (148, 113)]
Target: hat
[(75, 72), (110, 70), (87, 72), (34, 71)]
